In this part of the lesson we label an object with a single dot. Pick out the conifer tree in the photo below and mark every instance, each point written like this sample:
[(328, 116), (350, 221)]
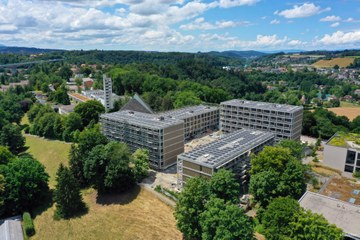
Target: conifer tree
[(68, 198)]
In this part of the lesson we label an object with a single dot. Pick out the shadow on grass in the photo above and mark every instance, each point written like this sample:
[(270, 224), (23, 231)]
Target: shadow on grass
[(119, 198), (81, 212), (47, 203)]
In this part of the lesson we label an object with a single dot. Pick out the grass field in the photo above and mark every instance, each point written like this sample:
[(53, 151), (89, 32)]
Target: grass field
[(49, 152), (352, 111), (341, 62), (136, 215)]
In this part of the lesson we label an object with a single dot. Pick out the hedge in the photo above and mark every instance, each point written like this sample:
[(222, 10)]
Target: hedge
[(28, 224)]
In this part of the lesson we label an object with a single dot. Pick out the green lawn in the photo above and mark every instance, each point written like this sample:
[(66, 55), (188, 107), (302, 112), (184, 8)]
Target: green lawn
[(348, 104), (49, 152)]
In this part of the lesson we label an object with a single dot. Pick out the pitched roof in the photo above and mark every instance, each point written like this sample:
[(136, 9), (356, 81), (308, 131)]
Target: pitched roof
[(137, 104), (11, 230)]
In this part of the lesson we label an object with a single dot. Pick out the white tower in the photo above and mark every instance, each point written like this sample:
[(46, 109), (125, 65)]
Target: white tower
[(107, 93)]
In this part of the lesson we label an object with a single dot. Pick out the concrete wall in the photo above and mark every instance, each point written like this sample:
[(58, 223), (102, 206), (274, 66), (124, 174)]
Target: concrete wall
[(335, 157)]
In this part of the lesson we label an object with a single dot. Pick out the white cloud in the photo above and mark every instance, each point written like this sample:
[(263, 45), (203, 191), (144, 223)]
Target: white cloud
[(341, 38), (275, 21), (235, 3), (201, 24), (302, 11), (335, 24), (331, 18)]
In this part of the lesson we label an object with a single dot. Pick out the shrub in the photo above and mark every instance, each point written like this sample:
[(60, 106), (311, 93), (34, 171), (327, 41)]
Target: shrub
[(28, 224), (356, 174)]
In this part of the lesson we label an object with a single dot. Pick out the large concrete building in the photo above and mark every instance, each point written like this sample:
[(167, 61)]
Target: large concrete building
[(285, 121), (162, 136), (108, 101), (168, 130), (197, 119), (231, 151), (342, 152)]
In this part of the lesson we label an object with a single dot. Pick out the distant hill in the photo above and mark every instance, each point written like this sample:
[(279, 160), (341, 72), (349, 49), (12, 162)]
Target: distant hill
[(25, 50), (237, 54)]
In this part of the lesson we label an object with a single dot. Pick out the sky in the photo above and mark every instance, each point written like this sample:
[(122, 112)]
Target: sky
[(181, 25)]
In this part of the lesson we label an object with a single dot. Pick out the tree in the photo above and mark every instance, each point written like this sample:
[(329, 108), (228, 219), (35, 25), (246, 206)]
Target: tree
[(60, 95), (10, 136), (296, 147), (38, 110), (224, 185), (225, 221), (190, 204), (277, 217), (186, 98), (89, 111), (67, 194), (271, 157), (65, 72), (107, 167), (292, 181), (87, 140), (310, 225), (26, 184), (72, 122), (263, 186), (48, 125), (2, 194), (5, 155), (140, 164)]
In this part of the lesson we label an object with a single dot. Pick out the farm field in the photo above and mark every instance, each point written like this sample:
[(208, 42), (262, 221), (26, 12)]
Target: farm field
[(350, 112), (49, 152), (341, 62), (135, 215)]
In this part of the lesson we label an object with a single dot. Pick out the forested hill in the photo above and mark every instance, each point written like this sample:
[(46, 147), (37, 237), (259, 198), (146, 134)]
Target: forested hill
[(16, 54), (25, 50), (237, 54), (128, 57)]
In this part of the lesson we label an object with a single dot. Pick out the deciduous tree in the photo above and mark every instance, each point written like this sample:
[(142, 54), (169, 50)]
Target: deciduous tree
[(224, 185), (190, 205)]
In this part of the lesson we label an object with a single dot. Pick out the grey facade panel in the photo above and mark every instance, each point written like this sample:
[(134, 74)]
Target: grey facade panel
[(285, 121)]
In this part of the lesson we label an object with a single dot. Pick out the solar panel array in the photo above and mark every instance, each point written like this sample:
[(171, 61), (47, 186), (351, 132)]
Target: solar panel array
[(228, 146), (262, 105)]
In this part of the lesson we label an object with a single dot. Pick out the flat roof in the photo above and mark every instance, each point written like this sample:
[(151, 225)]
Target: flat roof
[(343, 214), (188, 111), (263, 105), (79, 97), (347, 140), (228, 146), (141, 119)]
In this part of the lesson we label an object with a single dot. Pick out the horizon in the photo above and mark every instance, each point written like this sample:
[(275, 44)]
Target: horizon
[(181, 25)]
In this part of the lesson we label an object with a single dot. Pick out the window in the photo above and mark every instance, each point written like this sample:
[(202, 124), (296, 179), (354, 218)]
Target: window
[(350, 158), (349, 168)]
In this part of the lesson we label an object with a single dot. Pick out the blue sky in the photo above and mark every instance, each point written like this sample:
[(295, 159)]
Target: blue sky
[(181, 25)]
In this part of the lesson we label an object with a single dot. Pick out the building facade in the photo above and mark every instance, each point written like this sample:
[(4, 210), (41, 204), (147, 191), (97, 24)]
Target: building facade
[(163, 137), (108, 101), (285, 121), (342, 152), (197, 119), (231, 151)]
